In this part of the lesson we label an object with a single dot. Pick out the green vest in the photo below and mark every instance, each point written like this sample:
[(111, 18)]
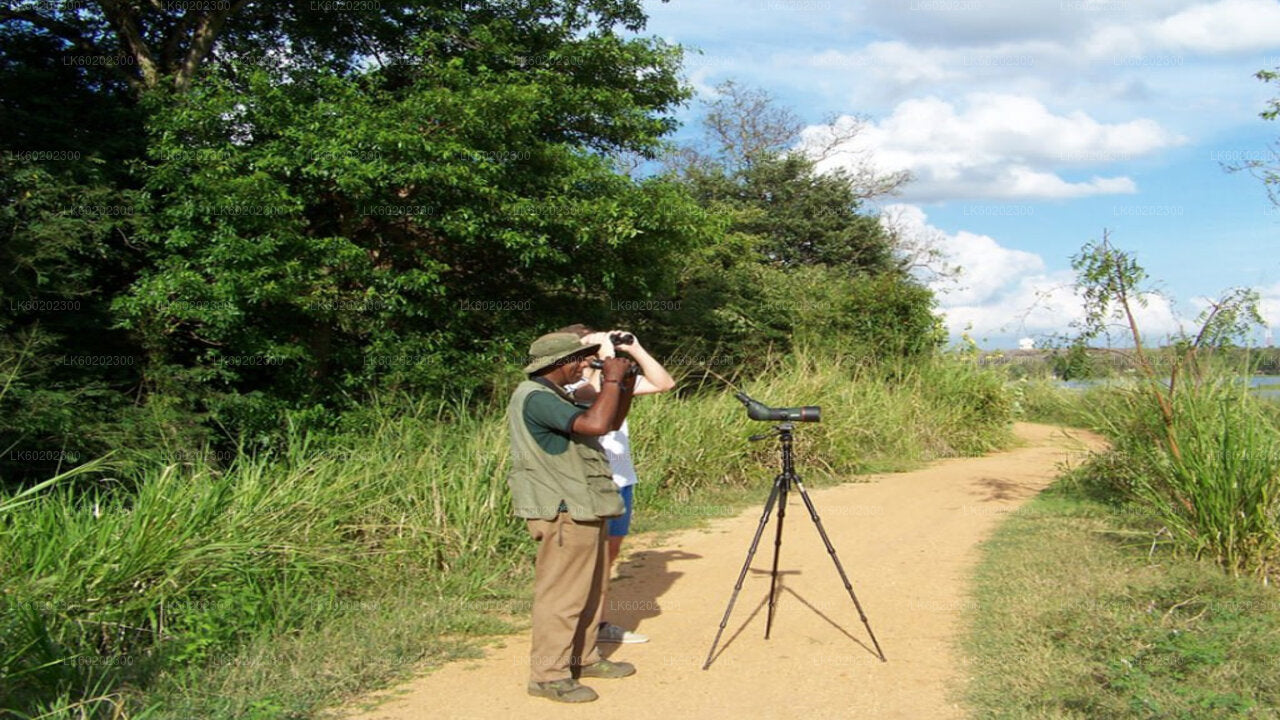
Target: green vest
[(578, 478)]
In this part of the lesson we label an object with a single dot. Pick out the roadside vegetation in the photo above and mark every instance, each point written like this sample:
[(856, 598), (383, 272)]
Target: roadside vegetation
[(1141, 585), (261, 319), (1077, 614)]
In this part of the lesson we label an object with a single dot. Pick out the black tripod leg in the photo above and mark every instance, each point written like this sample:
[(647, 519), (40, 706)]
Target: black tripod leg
[(813, 514), (783, 485), (764, 520)]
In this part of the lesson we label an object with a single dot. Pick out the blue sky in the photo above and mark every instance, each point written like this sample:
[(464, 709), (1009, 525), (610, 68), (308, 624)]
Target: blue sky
[(1031, 126)]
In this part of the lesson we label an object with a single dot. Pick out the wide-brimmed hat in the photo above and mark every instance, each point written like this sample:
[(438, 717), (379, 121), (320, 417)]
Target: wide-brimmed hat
[(554, 347)]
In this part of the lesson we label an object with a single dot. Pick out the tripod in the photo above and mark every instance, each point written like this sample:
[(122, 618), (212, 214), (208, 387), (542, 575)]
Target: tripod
[(778, 496)]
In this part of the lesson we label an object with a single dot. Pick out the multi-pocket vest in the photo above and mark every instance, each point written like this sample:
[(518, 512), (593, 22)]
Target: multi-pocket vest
[(577, 480)]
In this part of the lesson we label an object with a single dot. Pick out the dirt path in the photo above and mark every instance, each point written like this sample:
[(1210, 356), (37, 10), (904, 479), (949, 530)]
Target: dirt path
[(907, 542)]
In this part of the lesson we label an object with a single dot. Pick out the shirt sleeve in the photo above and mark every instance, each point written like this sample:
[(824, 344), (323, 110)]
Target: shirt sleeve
[(546, 411)]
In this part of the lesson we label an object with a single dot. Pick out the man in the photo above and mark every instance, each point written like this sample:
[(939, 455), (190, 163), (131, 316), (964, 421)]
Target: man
[(654, 378), (561, 484)]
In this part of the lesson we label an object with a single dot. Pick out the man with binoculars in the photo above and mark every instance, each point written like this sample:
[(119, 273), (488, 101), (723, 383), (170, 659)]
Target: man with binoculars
[(561, 483)]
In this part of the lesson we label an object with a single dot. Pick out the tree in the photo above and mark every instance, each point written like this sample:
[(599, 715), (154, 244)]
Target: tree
[(319, 211), (1110, 282), (1266, 170), (155, 45), (750, 166), (800, 252)]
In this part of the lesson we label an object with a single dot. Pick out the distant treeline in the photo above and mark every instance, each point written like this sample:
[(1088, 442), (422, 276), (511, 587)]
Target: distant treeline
[(1090, 362)]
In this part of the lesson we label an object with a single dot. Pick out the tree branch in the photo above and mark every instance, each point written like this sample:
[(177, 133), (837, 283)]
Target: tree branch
[(176, 34), (202, 38), (66, 31), (125, 22)]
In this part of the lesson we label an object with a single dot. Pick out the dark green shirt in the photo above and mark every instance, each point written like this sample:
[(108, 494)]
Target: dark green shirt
[(549, 420)]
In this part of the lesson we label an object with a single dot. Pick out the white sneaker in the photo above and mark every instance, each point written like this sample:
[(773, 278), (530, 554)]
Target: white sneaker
[(610, 633)]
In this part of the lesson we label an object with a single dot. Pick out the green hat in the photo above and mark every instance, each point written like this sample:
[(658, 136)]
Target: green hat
[(554, 347)]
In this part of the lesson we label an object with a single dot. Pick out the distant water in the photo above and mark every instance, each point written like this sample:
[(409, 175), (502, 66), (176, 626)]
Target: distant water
[(1267, 386)]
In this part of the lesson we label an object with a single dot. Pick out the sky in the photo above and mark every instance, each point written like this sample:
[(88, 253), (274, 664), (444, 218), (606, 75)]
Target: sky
[(1030, 127)]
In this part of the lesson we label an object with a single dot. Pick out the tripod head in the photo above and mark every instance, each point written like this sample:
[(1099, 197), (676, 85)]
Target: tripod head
[(782, 429)]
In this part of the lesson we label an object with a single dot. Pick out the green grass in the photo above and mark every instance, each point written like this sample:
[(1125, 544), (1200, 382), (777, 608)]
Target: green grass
[(1076, 617), (695, 461), (281, 584), (1212, 478)]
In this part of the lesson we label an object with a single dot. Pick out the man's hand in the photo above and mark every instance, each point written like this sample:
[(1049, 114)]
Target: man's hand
[(616, 369), (609, 408)]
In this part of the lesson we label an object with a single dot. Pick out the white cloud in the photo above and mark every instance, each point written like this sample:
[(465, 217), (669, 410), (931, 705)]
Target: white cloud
[(1044, 304), (1224, 26), (1002, 294), (996, 146), (1269, 307), (977, 22), (985, 266)]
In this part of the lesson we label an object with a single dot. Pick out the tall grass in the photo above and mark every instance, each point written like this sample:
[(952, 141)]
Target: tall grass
[(109, 585), (1210, 480), (1219, 495), (873, 418)]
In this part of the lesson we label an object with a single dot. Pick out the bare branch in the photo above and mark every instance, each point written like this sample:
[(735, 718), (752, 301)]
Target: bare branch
[(747, 124), (919, 249), (125, 22)]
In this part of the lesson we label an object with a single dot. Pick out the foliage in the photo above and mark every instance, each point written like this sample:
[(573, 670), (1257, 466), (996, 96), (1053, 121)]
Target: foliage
[(1266, 170), (164, 46), (1192, 445), (197, 560), (400, 205), (1110, 281), (1073, 363), (800, 262), (1219, 496), (410, 246), (736, 315), (1222, 496)]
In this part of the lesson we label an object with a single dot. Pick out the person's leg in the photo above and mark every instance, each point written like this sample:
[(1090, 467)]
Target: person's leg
[(592, 665), (618, 528), (566, 583), (589, 624), (614, 543)]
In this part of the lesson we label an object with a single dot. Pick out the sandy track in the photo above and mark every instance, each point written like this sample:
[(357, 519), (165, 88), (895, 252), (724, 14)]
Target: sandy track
[(908, 543)]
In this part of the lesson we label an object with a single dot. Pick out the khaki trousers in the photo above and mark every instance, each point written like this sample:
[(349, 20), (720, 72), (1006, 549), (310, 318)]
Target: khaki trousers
[(568, 590)]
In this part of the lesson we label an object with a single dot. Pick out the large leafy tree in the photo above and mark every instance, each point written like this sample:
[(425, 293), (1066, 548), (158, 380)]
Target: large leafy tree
[(408, 226), (325, 202)]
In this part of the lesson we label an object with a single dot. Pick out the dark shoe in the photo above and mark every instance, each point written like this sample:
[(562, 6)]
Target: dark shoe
[(567, 690), (607, 669)]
